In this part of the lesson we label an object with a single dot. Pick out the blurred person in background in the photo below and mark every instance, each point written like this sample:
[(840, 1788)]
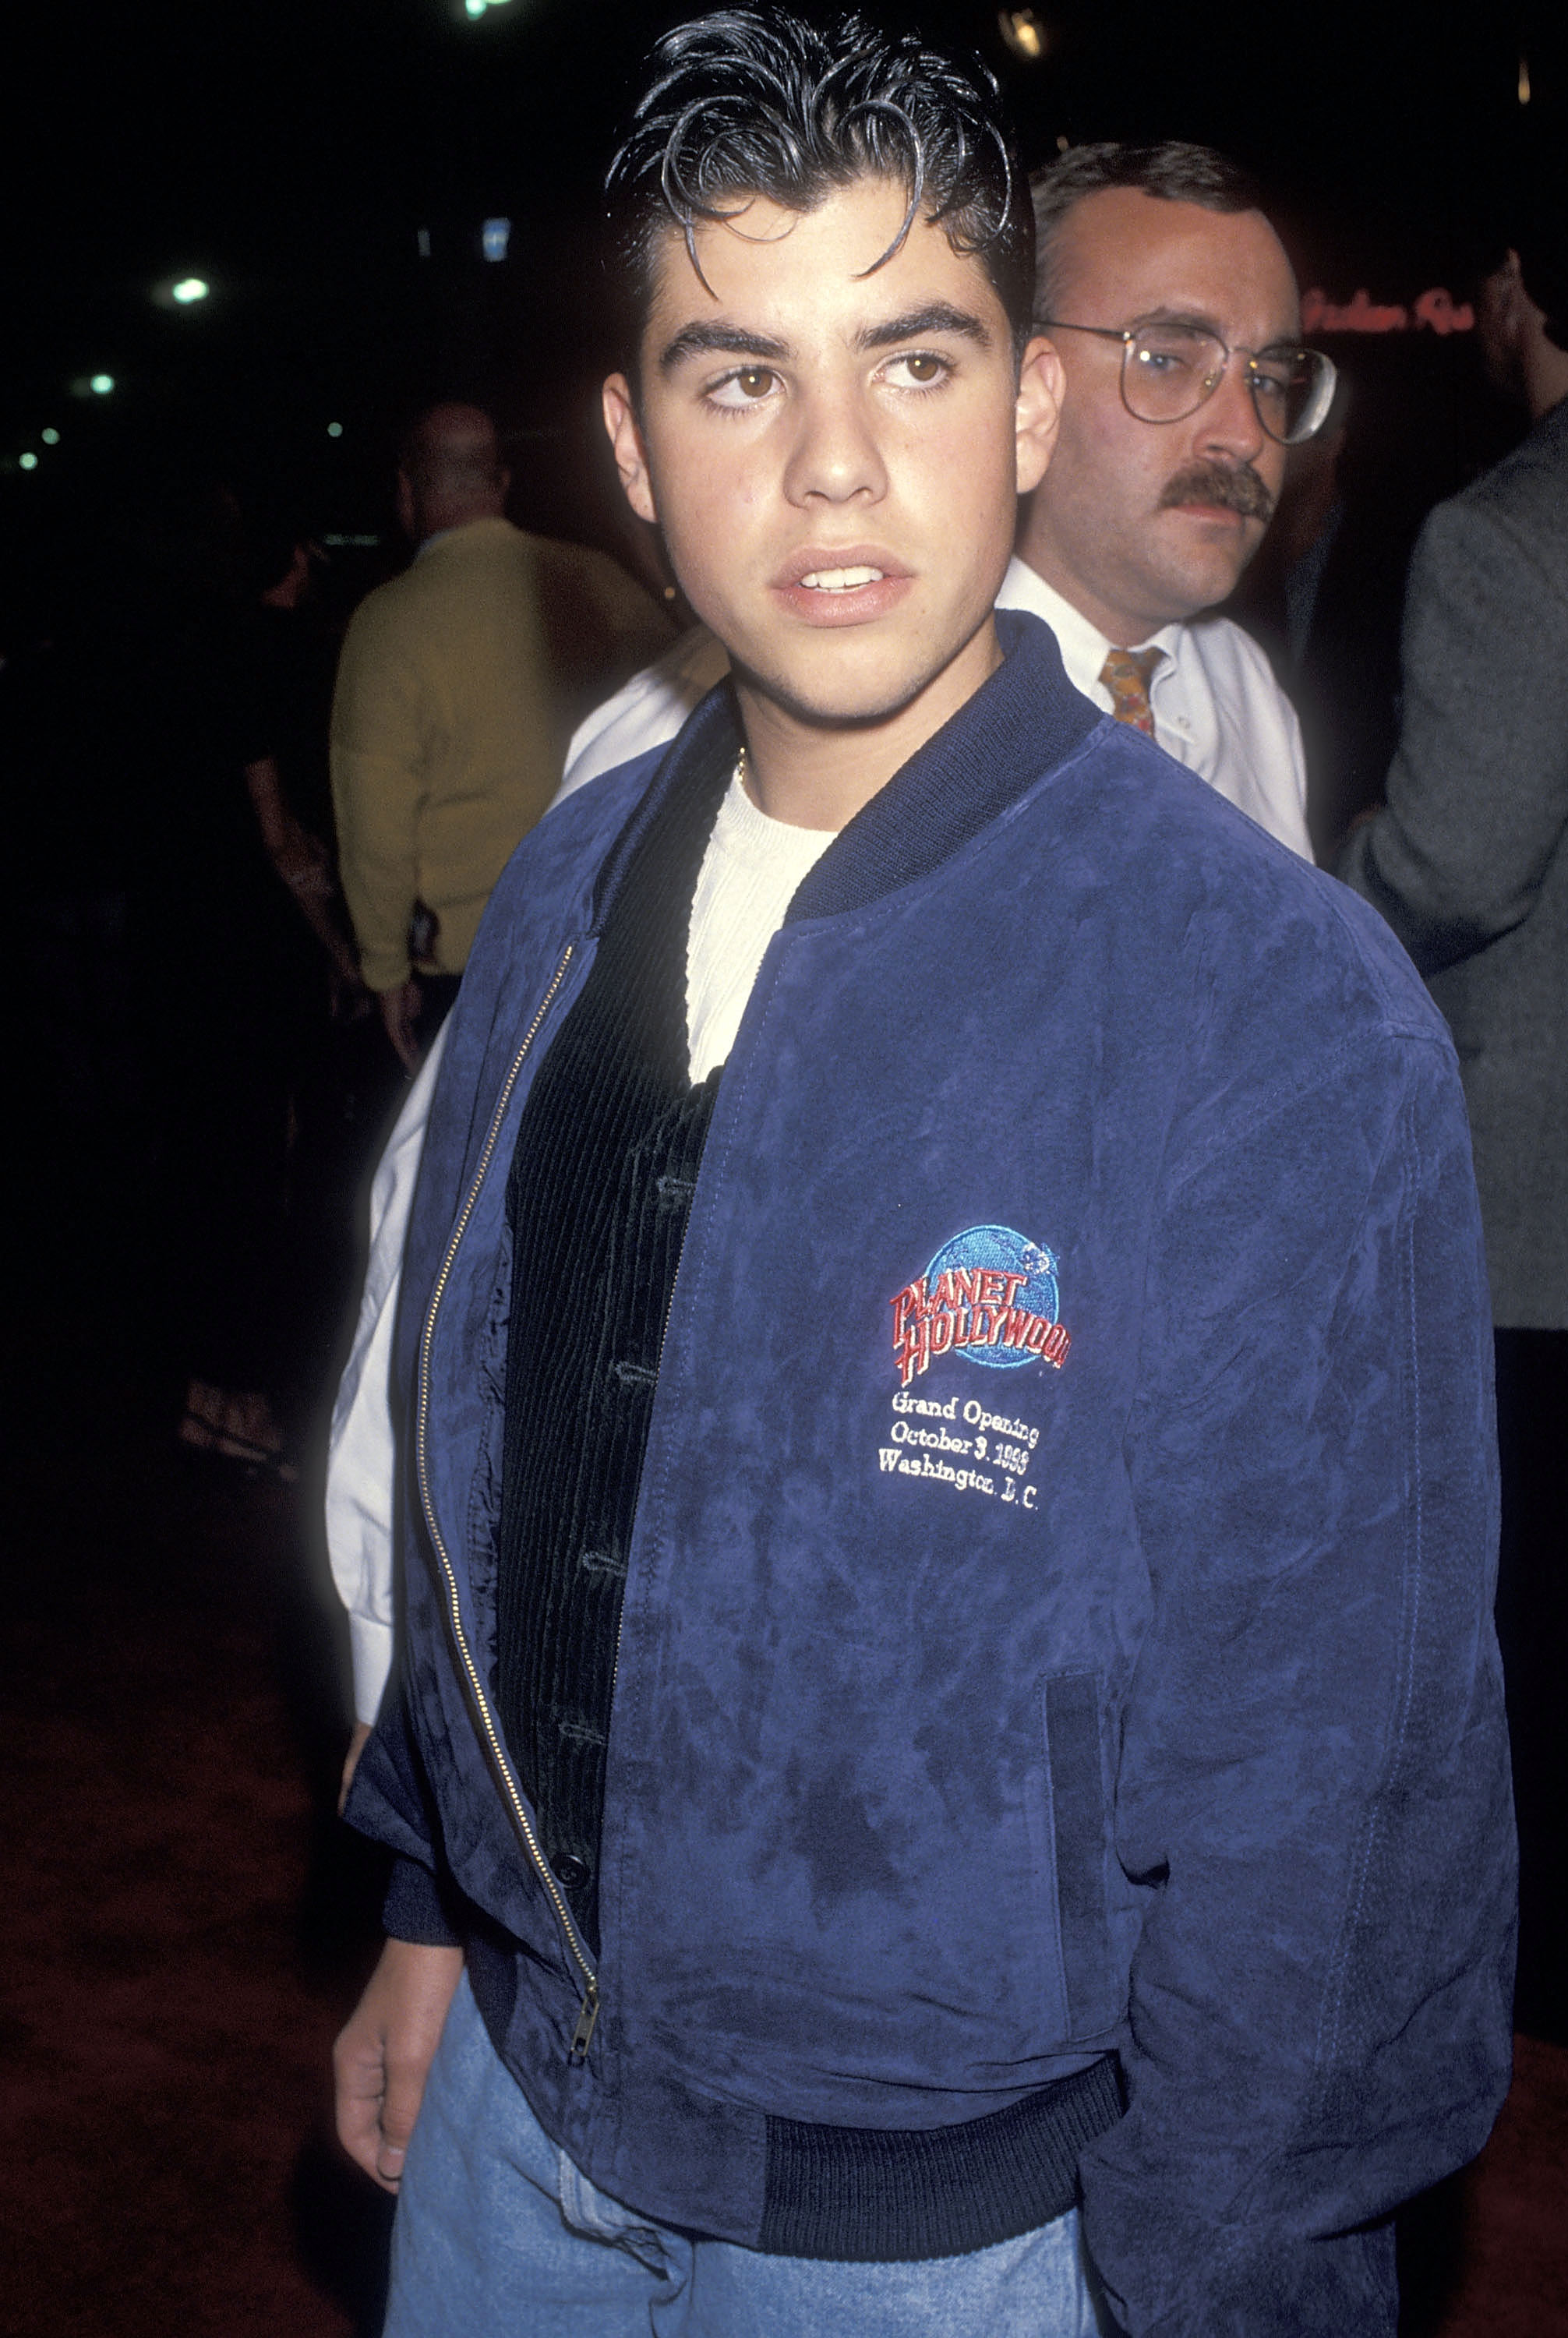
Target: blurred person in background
[(222, 966), (342, 1075), (1172, 304), (290, 660), (1468, 861), (459, 685)]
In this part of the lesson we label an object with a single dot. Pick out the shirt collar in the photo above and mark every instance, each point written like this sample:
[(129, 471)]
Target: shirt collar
[(1083, 646)]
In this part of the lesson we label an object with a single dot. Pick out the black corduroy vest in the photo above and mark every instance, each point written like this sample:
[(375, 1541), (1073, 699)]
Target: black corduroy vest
[(601, 1186)]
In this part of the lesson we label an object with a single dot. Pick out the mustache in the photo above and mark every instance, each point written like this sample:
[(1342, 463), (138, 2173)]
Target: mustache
[(1235, 489)]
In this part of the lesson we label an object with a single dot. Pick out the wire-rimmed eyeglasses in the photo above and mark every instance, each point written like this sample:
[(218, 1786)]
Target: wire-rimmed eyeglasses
[(1169, 370)]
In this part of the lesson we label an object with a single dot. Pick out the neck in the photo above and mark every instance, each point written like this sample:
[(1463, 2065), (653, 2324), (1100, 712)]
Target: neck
[(1124, 629), (445, 518), (1546, 377), (820, 774)]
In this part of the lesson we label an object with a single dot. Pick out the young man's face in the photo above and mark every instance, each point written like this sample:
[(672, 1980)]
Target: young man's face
[(1140, 523), (834, 457)]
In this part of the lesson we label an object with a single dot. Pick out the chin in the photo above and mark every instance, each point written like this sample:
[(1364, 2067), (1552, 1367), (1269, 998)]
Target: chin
[(850, 691), (832, 710), (1191, 595)]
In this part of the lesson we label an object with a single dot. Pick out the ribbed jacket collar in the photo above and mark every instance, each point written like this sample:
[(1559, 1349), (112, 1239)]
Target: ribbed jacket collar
[(1021, 723)]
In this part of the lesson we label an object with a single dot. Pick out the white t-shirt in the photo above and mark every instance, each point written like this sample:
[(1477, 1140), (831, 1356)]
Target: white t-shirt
[(748, 879), (1216, 708)]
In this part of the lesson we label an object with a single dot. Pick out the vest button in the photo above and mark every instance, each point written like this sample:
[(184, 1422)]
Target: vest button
[(570, 1873)]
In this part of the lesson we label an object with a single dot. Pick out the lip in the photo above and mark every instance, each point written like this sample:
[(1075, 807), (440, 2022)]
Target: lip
[(1199, 510), (860, 604)]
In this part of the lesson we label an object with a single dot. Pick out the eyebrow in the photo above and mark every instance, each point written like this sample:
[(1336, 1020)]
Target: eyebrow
[(1205, 324), (718, 339), (1165, 315), (937, 316), (723, 338)]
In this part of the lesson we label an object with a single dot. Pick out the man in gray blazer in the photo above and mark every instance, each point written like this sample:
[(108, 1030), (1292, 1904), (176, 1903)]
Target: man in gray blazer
[(1468, 861)]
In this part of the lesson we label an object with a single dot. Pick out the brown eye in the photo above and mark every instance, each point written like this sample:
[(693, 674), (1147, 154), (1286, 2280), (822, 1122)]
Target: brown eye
[(918, 369), (753, 381)]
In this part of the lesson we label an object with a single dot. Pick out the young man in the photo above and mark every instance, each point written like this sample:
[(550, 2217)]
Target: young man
[(948, 1507), (1153, 263)]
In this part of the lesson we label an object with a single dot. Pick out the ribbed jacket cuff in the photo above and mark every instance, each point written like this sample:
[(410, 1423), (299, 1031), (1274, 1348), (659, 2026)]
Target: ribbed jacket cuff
[(413, 1909)]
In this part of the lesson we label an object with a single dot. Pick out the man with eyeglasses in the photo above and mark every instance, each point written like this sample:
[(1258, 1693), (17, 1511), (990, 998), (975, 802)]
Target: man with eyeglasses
[(1174, 309)]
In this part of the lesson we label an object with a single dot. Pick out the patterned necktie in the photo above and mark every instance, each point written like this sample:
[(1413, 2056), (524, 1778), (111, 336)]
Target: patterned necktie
[(1126, 675)]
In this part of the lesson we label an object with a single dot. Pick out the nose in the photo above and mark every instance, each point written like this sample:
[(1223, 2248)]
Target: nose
[(837, 455), (1228, 424)]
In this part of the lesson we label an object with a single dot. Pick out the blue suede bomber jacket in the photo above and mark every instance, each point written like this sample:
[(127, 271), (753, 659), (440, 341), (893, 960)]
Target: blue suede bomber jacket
[(1058, 1616)]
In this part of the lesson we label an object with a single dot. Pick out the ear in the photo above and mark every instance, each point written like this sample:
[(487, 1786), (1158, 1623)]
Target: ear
[(1041, 382), (626, 440)]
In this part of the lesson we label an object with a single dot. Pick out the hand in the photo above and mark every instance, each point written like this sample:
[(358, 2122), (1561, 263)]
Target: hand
[(383, 2057), (400, 1013), (352, 1761), (348, 1000)]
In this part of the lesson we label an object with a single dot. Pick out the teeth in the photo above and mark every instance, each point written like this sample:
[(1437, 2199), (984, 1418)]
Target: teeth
[(841, 580)]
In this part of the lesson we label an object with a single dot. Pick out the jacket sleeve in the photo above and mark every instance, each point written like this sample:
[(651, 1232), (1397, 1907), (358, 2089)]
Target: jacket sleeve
[(1313, 1778), (1478, 788), (378, 753), (391, 1800)]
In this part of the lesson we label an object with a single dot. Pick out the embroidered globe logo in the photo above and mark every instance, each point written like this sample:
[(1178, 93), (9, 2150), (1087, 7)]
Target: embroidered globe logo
[(1010, 1253)]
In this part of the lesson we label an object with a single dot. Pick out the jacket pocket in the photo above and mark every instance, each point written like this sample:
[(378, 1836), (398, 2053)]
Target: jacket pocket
[(1079, 1833)]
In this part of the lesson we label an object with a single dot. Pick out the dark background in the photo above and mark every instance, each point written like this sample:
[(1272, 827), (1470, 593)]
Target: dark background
[(291, 153)]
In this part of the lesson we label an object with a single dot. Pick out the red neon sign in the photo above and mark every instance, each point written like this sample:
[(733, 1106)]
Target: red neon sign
[(1436, 310)]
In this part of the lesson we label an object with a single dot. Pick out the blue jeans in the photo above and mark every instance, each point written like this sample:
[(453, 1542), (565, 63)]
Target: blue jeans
[(499, 2235)]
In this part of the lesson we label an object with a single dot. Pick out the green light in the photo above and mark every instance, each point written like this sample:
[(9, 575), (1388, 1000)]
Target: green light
[(475, 7), (29, 461), (101, 384), (334, 430), (190, 289), (50, 438)]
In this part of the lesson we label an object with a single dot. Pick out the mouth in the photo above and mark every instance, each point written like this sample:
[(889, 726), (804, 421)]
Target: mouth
[(841, 580), (847, 585)]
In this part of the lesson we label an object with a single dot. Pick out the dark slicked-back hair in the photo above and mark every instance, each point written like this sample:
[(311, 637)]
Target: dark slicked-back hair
[(743, 103), (1175, 170)]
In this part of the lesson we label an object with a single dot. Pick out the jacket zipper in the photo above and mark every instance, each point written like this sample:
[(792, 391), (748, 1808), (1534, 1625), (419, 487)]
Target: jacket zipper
[(588, 2013)]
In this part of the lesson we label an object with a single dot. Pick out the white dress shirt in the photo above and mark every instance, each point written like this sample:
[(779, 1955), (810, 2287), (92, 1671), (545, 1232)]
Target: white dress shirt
[(1215, 707)]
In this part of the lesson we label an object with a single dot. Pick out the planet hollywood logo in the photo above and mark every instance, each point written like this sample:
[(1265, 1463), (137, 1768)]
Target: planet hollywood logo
[(989, 1295)]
